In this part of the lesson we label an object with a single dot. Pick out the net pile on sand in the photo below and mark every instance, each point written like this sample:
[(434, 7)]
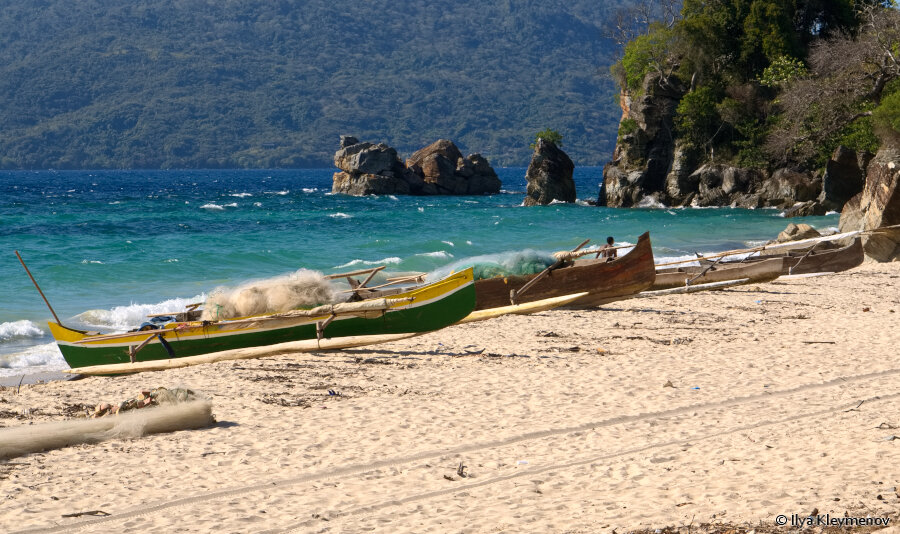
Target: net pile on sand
[(302, 289)]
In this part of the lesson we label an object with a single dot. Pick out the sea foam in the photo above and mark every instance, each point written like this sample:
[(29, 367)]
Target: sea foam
[(17, 330), (39, 358), (391, 260), (437, 254), (131, 316)]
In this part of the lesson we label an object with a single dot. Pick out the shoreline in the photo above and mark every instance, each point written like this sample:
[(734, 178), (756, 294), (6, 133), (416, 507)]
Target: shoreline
[(722, 408)]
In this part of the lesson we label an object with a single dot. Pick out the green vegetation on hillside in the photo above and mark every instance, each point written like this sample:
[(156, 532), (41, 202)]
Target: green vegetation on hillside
[(194, 83), (768, 81)]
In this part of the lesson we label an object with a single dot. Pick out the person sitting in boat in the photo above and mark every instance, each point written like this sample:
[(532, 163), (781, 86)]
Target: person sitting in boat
[(608, 251)]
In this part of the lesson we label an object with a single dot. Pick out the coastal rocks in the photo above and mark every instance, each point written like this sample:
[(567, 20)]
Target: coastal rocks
[(796, 232), (652, 166), (790, 186), (439, 169), (549, 175), (877, 206), (445, 171), (368, 184), (845, 176), (645, 150), (369, 169)]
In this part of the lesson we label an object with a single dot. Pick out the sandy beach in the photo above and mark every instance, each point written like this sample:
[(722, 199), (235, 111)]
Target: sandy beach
[(723, 408)]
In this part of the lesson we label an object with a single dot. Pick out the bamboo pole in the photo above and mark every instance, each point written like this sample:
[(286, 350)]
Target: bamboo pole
[(33, 281), (306, 345), (522, 309)]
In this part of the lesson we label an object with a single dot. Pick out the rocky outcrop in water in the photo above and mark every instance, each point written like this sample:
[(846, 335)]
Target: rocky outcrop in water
[(445, 171), (877, 206), (549, 175), (369, 169), (438, 169)]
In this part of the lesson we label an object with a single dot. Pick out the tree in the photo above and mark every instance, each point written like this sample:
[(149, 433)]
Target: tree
[(548, 135), (848, 76), (636, 18), (652, 52), (886, 119), (697, 120)]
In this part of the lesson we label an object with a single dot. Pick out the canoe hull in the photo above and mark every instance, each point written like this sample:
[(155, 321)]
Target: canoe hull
[(827, 261), (818, 261), (433, 307), (602, 280), (755, 272)]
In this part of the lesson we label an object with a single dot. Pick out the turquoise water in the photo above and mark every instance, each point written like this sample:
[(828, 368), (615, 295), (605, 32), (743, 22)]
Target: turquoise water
[(108, 247)]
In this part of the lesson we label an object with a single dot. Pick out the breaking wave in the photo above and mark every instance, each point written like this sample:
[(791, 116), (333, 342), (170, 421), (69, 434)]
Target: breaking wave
[(18, 330), (131, 316), (391, 261)]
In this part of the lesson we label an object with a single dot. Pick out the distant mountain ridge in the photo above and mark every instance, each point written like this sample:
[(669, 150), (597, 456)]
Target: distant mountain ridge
[(272, 84)]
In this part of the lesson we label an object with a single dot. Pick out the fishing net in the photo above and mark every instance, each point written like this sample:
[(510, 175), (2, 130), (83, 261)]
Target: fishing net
[(503, 264), (301, 289)]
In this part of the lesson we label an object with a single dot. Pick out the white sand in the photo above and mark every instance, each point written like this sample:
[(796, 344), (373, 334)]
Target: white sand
[(764, 419)]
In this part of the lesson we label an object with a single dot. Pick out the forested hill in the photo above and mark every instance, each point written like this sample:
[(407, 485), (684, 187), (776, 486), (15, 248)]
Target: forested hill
[(273, 83)]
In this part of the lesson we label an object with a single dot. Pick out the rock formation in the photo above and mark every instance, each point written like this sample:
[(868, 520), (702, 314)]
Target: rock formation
[(877, 206), (845, 176), (438, 169), (445, 171), (649, 163), (549, 175), (796, 232), (645, 152)]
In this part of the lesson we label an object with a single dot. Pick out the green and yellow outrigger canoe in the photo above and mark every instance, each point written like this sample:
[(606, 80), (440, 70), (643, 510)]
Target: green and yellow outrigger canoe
[(422, 309)]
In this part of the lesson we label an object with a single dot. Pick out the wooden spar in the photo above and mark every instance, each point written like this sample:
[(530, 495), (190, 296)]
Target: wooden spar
[(38, 288), (808, 252), (306, 345), (411, 275), (132, 351), (391, 282), (579, 247), (354, 273), (708, 267), (689, 289), (514, 294)]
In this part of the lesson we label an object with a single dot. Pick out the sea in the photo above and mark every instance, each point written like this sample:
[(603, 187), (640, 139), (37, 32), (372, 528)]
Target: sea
[(109, 247)]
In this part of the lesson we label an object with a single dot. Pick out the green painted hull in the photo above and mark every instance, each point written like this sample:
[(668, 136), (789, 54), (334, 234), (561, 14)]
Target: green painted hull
[(425, 318)]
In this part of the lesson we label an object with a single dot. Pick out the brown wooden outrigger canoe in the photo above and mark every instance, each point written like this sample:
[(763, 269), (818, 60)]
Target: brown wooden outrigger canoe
[(812, 260), (603, 280), (758, 271)]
